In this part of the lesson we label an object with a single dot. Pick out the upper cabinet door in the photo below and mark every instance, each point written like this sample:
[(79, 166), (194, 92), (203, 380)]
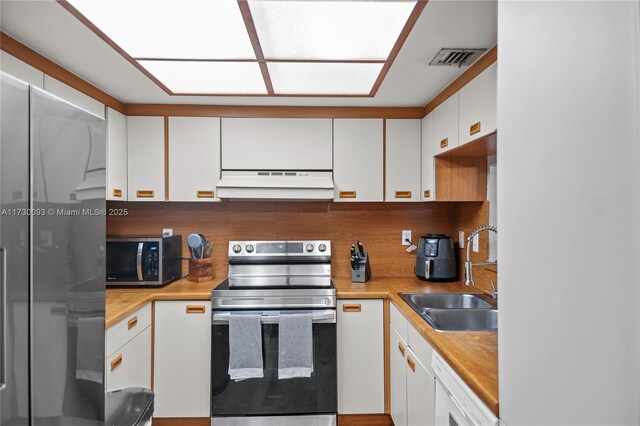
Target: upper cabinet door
[(428, 192), (73, 96), (478, 106), (358, 164), (277, 144), (145, 147), (116, 156), (194, 158), (403, 160), (445, 125)]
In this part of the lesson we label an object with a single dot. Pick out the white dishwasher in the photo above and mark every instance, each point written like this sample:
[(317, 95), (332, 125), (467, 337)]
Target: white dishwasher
[(456, 404)]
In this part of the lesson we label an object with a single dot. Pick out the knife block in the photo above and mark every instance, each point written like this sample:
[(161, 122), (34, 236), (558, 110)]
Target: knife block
[(200, 270), (361, 272)]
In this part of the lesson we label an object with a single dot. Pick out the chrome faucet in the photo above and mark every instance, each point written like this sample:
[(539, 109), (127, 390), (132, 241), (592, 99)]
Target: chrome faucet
[(468, 266)]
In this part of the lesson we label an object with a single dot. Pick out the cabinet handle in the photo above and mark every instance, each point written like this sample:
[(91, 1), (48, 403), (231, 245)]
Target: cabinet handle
[(352, 308), (403, 194), (401, 348), (347, 194), (427, 193), (474, 128), (444, 143), (412, 364), (117, 362), (144, 193), (195, 309), (117, 192), (205, 194), (132, 323)]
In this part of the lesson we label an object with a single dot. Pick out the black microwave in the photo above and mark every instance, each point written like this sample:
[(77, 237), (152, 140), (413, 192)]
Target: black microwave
[(143, 261)]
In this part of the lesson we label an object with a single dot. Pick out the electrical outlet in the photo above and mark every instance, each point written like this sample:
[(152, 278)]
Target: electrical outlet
[(461, 239), (476, 244), (167, 232), (406, 235)]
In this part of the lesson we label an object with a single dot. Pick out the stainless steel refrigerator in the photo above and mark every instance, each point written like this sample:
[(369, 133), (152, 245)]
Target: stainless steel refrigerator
[(52, 247)]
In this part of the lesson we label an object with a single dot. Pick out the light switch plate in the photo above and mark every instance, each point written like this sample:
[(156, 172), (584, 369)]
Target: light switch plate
[(406, 235), (168, 232)]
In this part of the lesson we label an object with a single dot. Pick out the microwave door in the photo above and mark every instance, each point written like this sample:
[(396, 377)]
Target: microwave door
[(124, 261)]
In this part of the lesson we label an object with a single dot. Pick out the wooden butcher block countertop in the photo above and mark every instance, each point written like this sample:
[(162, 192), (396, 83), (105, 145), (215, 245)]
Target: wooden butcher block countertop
[(472, 355)]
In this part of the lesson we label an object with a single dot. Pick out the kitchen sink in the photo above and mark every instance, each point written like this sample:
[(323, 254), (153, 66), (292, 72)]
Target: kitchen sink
[(455, 311), (462, 319), (446, 300)]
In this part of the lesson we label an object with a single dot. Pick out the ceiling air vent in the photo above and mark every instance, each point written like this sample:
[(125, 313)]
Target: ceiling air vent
[(456, 57)]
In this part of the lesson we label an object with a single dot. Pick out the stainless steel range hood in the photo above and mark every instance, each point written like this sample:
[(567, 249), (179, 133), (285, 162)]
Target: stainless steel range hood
[(276, 185)]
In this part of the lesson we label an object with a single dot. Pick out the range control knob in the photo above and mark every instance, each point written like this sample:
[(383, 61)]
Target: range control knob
[(237, 248), (309, 248), (249, 248), (322, 248)]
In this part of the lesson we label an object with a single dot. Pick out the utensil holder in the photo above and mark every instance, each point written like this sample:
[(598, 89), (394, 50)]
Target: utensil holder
[(361, 271), (200, 270)]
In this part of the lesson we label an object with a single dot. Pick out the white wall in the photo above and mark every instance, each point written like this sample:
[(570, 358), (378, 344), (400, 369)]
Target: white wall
[(568, 217)]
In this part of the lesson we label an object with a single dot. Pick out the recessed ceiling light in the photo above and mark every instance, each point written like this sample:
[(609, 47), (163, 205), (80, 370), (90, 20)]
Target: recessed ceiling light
[(172, 29), (184, 77), (329, 29), (291, 78)]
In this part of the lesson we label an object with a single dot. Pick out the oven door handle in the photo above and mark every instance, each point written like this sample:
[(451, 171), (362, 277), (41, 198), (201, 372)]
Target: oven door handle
[(139, 262), (273, 317)]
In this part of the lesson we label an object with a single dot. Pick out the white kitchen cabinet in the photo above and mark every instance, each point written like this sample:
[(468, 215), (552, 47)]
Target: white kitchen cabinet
[(73, 96), (360, 356), (116, 155), (130, 366), (358, 164), (445, 125), (428, 192), (126, 329), (398, 377), (403, 145), (21, 70), (194, 158), (145, 152), (478, 107), (277, 144), (182, 364), (421, 392)]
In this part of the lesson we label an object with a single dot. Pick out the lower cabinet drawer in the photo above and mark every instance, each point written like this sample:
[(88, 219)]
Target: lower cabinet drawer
[(182, 365), (130, 366)]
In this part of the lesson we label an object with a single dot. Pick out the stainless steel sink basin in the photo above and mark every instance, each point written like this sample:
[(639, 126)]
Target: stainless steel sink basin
[(446, 300), (455, 311), (462, 319)]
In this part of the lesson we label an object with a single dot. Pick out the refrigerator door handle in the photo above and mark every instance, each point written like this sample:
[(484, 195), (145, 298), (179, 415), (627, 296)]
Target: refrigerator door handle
[(139, 261), (3, 317)]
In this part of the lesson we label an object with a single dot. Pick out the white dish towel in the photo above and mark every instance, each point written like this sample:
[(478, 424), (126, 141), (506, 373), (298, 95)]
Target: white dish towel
[(295, 346), (245, 347)]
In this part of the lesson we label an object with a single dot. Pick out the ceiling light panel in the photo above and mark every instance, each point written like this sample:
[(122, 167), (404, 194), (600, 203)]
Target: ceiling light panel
[(315, 78), (220, 78), (346, 30), (174, 29)]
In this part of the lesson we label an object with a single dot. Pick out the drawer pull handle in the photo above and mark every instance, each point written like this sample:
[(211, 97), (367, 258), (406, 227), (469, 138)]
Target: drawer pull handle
[(347, 194), (444, 143), (117, 362), (474, 128), (412, 364), (132, 323), (427, 193), (145, 193), (205, 194), (401, 348), (352, 308), (403, 194), (195, 309), (117, 192)]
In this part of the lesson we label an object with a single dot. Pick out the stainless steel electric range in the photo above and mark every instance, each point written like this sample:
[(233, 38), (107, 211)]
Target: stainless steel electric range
[(275, 278)]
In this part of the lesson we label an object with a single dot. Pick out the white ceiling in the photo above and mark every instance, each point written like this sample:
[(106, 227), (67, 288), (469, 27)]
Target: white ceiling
[(48, 28)]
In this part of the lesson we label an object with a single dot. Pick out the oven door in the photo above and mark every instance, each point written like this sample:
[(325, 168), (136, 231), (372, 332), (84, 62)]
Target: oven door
[(269, 396)]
